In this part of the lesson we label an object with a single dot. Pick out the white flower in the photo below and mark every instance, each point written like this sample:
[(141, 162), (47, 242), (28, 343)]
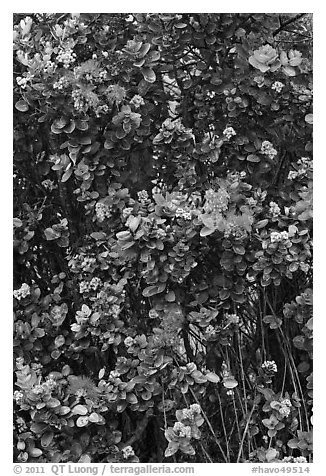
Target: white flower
[(229, 132), (232, 318), (276, 236), (22, 292), (274, 209), (137, 101), (142, 195), (277, 86), (195, 408), (128, 341), (268, 149), (269, 365), (127, 451)]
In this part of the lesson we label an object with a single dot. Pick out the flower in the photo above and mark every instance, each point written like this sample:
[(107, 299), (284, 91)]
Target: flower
[(129, 341), (232, 318), (127, 451), (22, 292), (115, 94), (137, 101), (82, 386), (274, 209), (268, 149), (264, 58), (229, 132), (195, 408), (142, 195), (269, 366), (153, 314), (277, 86), (276, 236)]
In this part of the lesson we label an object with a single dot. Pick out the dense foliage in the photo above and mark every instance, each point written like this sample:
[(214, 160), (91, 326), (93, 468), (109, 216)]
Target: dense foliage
[(162, 237)]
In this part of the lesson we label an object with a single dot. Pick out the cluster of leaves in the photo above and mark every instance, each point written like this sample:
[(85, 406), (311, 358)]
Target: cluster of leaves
[(162, 237)]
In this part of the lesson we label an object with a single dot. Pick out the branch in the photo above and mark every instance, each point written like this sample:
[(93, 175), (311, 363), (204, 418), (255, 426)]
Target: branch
[(138, 432), (288, 22)]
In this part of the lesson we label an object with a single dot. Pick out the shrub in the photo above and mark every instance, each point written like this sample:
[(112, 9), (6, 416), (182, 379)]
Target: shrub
[(162, 237)]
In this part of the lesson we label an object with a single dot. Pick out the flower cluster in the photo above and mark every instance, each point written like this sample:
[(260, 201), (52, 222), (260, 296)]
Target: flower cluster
[(127, 451), (279, 236), (229, 132), (23, 81), (267, 149), (61, 83), (291, 459), (22, 292), (84, 99), (284, 408), (216, 202), (49, 67), (137, 101), (153, 314), (277, 86), (274, 209), (304, 165), (126, 212), (211, 94), (115, 94), (66, 56), (92, 285), (232, 319), (269, 366), (102, 211), (142, 196), (129, 341), (183, 213)]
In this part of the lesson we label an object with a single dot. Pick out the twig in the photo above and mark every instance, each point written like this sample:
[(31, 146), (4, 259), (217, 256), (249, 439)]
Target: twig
[(288, 22)]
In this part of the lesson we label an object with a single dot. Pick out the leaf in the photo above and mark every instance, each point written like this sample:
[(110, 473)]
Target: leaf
[(261, 223), (309, 118), (101, 373), (35, 452), (98, 235), (171, 449), (253, 158), (230, 382), (66, 176), (262, 67), (134, 222), (170, 296), (150, 291), (289, 71), (149, 75), (271, 454), (85, 459), (22, 105), (131, 398), (50, 234), (124, 235), (205, 231), (47, 438), (94, 417), (53, 403), (212, 377), (187, 449), (82, 421), (79, 410), (60, 123)]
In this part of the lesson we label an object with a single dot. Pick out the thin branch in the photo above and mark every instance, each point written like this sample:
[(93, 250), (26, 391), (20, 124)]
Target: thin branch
[(288, 22)]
